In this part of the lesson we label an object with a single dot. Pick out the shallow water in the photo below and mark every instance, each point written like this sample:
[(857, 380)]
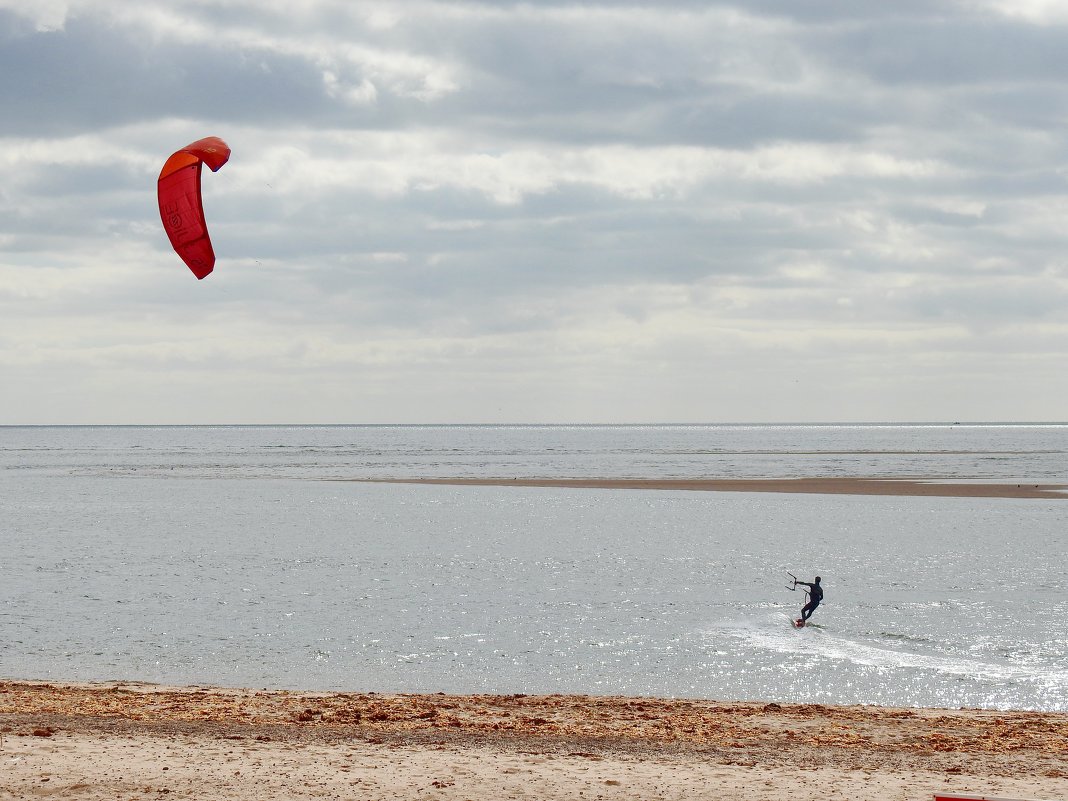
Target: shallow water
[(128, 557)]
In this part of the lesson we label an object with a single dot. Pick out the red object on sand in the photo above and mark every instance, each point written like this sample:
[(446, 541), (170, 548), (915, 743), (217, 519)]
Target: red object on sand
[(944, 797)]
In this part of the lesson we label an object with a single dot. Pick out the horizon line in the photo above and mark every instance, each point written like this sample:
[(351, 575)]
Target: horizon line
[(556, 424)]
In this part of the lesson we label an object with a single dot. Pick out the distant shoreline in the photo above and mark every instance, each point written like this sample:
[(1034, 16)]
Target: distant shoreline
[(822, 486)]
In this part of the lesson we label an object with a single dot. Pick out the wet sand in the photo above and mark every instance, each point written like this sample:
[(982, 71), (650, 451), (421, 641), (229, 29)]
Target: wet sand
[(828, 486), (107, 741)]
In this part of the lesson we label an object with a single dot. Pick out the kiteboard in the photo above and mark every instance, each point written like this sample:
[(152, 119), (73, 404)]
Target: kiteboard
[(798, 624)]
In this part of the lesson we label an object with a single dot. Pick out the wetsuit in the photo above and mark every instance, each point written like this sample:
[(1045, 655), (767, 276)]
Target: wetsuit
[(815, 595)]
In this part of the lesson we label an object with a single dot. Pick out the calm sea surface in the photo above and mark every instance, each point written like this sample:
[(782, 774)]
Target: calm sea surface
[(235, 556)]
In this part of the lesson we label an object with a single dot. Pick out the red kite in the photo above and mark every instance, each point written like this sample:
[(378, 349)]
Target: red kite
[(180, 205)]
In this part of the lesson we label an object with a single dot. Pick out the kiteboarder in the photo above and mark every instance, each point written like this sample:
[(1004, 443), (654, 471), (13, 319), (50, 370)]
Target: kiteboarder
[(815, 595)]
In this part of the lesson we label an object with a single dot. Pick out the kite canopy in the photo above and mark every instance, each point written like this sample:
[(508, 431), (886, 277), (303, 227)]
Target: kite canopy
[(180, 205)]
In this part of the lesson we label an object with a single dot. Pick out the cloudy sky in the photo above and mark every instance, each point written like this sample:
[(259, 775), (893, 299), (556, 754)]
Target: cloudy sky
[(546, 211)]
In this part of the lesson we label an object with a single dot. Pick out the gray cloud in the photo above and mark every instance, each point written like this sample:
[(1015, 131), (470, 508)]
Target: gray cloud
[(94, 76), (950, 51)]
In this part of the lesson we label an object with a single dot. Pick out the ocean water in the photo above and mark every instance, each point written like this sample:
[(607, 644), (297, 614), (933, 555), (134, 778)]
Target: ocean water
[(240, 556)]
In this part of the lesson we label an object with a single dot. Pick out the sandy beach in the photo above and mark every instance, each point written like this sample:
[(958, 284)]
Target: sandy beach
[(119, 740), (828, 486)]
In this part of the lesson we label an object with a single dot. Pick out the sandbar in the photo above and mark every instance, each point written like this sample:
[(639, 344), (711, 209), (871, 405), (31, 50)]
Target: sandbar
[(812, 485), (123, 740)]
